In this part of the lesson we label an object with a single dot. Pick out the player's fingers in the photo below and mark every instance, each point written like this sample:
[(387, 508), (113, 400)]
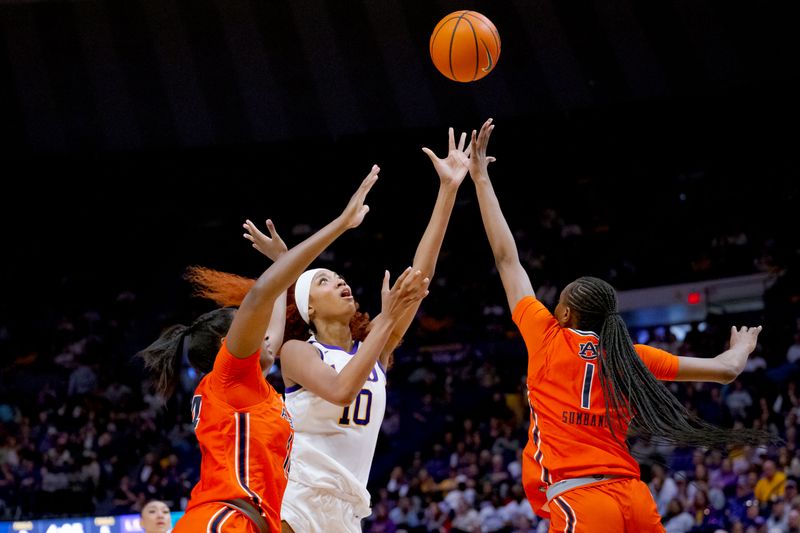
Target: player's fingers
[(430, 154), (401, 279), (271, 227), (461, 141)]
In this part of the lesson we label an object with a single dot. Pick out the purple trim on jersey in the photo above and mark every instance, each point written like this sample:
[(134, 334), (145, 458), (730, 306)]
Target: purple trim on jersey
[(382, 370), (311, 342), (293, 388), (328, 346)]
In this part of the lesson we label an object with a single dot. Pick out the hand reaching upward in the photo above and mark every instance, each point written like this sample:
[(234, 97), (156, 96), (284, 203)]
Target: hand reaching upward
[(478, 161), (452, 168), (272, 246)]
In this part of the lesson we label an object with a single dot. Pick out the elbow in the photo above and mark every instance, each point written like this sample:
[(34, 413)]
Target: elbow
[(727, 376), (506, 258), (343, 399)]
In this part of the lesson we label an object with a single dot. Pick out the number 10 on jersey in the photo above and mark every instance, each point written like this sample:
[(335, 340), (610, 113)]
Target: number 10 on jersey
[(361, 409)]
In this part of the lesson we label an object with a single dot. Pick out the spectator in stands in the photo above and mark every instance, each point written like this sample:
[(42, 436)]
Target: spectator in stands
[(155, 517), (752, 517), (778, 516), (724, 478), (466, 519), (771, 484), (739, 400), (676, 519), (793, 521), (790, 492), (404, 515), (381, 523)]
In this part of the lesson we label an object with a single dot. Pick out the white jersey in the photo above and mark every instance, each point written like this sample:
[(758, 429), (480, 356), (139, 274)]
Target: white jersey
[(334, 446)]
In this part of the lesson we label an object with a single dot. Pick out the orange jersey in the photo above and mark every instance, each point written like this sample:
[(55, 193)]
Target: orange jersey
[(245, 435), (569, 436)]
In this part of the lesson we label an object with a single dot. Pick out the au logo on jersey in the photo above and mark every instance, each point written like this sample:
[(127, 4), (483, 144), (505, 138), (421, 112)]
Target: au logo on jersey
[(588, 350)]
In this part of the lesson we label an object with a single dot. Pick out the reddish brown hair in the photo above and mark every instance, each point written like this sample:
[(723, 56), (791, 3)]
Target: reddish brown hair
[(228, 290)]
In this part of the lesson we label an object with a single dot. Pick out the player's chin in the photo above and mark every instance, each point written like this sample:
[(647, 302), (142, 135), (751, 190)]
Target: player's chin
[(267, 358)]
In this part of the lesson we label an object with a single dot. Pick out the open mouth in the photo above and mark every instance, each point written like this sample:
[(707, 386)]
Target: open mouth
[(346, 293)]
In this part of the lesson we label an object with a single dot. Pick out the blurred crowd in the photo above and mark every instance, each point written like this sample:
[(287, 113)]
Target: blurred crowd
[(81, 431)]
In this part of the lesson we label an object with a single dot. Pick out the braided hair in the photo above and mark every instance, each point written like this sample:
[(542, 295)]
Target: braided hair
[(629, 388)]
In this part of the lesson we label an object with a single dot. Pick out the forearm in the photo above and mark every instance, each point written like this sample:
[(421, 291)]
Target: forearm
[(277, 324), (351, 379), (430, 244), (501, 240), (724, 368)]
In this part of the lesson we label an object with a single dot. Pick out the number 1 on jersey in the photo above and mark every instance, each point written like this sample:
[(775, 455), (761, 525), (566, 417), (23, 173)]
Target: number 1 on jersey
[(586, 393)]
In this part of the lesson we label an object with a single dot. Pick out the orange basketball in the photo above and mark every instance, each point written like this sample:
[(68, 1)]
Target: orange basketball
[(465, 46)]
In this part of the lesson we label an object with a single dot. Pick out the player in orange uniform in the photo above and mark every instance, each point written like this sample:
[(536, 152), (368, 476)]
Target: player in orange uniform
[(587, 382), (242, 425)]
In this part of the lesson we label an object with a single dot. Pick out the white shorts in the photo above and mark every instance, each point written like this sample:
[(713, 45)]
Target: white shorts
[(309, 510)]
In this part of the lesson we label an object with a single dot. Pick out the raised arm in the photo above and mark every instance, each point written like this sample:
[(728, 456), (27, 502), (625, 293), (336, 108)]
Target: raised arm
[(515, 280), (251, 320), (273, 247), (725, 367), (451, 170), (301, 363)]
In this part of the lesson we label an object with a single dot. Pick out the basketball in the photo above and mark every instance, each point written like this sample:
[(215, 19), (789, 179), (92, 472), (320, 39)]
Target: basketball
[(465, 46)]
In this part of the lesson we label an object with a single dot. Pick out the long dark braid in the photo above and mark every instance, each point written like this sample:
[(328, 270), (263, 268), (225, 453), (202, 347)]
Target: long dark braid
[(629, 388)]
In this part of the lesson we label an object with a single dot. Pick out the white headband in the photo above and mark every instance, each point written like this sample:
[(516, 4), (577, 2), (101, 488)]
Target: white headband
[(302, 288)]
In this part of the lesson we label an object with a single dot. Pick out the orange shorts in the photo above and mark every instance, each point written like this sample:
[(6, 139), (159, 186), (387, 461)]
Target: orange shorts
[(615, 506), (214, 518)]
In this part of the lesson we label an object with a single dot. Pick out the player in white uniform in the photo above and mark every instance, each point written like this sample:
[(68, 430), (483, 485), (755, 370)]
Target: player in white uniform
[(335, 381), (333, 449)]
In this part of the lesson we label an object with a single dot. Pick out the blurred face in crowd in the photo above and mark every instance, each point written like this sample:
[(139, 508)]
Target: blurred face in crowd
[(156, 517), (794, 518), (769, 469)]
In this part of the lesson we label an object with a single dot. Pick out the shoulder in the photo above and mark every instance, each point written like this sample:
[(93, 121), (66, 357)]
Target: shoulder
[(298, 349)]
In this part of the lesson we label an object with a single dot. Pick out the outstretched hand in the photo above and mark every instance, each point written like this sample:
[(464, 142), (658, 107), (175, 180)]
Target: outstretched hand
[(356, 209), (745, 338), (272, 246), (452, 168), (408, 290), (478, 161)]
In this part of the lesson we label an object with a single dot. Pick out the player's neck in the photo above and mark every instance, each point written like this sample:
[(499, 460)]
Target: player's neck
[(335, 334)]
